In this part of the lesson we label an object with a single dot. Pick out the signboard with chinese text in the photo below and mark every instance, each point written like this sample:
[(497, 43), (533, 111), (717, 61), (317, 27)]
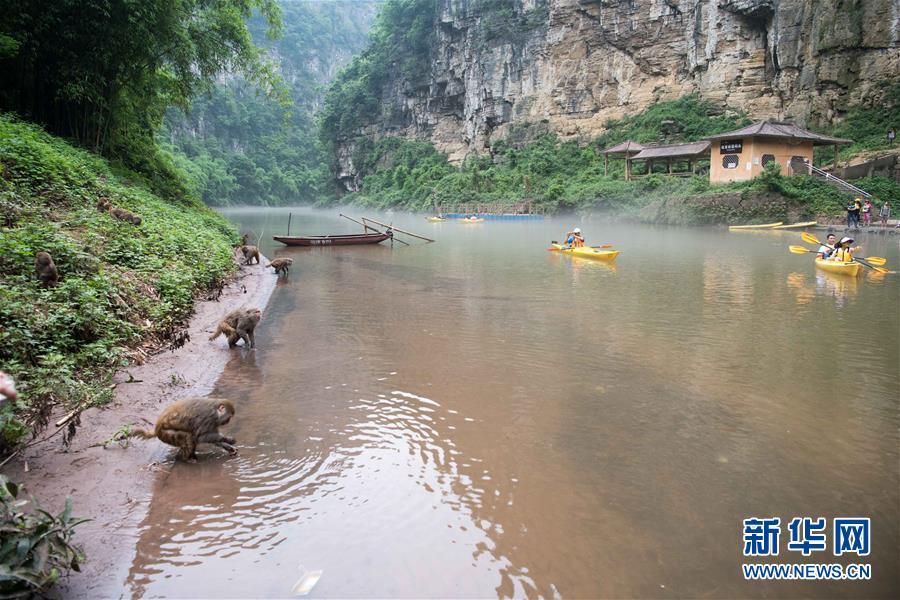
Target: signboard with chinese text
[(731, 146)]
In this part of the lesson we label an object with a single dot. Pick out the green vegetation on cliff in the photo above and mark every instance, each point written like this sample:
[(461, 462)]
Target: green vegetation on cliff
[(103, 73), (400, 44), (240, 146), (533, 164), (121, 287)]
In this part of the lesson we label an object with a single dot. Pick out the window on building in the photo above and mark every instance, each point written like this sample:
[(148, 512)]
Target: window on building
[(767, 158), (798, 165), (730, 161)]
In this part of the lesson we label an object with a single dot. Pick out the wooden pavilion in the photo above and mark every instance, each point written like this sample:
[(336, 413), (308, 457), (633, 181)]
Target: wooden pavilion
[(671, 154), (625, 150), (742, 154)]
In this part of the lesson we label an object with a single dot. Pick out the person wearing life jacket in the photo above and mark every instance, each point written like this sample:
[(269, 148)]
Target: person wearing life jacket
[(826, 249), (574, 238), (843, 252)]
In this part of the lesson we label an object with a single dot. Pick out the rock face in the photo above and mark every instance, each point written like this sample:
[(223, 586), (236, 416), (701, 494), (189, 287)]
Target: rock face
[(573, 64)]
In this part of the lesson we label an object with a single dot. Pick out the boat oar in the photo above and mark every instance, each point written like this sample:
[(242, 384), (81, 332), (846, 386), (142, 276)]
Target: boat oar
[(372, 228), (800, 250), (415, 235)]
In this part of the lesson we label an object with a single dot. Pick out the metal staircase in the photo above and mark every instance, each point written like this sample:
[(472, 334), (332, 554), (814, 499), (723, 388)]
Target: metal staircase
[(837, 182)]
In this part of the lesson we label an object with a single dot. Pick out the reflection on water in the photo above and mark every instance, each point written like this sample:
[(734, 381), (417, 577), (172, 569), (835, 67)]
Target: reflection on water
[(480, 417)]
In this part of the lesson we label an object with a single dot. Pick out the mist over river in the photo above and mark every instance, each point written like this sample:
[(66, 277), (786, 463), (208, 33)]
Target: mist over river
[(480, 417)]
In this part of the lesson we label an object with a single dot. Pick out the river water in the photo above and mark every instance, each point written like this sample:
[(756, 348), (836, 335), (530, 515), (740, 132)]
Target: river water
[(479, 417)]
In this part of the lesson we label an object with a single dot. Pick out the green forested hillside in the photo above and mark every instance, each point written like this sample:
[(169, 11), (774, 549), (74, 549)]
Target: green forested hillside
[(242, 147)]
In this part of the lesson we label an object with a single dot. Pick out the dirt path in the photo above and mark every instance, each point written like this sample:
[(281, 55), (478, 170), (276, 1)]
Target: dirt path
[(113, 486)]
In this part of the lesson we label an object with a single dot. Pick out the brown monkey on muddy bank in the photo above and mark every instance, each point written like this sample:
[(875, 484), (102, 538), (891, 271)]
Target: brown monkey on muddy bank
[(281, 265), (192, 421), (250, 252), (46, 269), (239, 325)]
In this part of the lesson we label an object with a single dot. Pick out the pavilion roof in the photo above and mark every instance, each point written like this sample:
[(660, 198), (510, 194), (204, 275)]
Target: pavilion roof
[(780, 129), (688, 150), (625, 147)]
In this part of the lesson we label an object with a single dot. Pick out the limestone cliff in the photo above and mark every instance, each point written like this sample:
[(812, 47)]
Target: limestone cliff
[(572, 64)]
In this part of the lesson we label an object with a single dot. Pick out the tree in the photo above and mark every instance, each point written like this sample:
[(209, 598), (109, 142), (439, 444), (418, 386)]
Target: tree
[(103, 71)]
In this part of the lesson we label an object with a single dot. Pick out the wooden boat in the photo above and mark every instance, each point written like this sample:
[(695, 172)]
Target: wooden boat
[(764, 226), (333, 240), (797, 225)]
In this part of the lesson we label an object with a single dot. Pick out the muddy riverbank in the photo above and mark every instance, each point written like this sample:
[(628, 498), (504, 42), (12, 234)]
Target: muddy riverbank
[(113, 486)]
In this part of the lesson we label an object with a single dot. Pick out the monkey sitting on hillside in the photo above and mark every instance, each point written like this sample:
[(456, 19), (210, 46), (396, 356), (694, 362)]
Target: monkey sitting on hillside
[(46, 269), (281, 265), (192, 421), (250, 252), (239, 325)]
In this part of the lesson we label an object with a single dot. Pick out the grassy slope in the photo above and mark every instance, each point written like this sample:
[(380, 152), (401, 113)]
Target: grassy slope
[(120, 287)]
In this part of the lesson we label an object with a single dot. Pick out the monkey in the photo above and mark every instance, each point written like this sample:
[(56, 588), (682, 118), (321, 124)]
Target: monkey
[(245, 239), (118, 213), (46, 269), (125, 215), (239, 325), (192, 421), (103, 204), (250, 252), (281, 265)]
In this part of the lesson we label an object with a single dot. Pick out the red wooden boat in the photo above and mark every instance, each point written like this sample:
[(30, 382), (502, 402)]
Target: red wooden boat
[(333, 240)]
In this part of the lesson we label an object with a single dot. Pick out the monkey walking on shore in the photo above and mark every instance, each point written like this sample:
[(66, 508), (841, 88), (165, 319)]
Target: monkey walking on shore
[(239, 325), (46, 269), (281, 265), (250, 252), (192, 421)]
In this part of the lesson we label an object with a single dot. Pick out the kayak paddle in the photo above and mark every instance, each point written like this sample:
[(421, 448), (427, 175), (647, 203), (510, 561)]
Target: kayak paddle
[(863, 262)]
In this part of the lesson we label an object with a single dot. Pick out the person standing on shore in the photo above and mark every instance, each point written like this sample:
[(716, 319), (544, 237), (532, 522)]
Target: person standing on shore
[(885, 213), (867, 213), (853, 208)]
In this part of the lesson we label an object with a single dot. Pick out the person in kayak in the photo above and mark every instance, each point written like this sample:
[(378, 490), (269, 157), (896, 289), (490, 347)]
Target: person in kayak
[(843, 252), (827, 248), (574, 239)]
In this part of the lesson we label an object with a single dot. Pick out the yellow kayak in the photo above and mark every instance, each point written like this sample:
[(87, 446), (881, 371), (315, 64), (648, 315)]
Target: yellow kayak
[(766, 226), (471, 220), (843, 268), (797, 225), (587, 252), (435, 219)]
